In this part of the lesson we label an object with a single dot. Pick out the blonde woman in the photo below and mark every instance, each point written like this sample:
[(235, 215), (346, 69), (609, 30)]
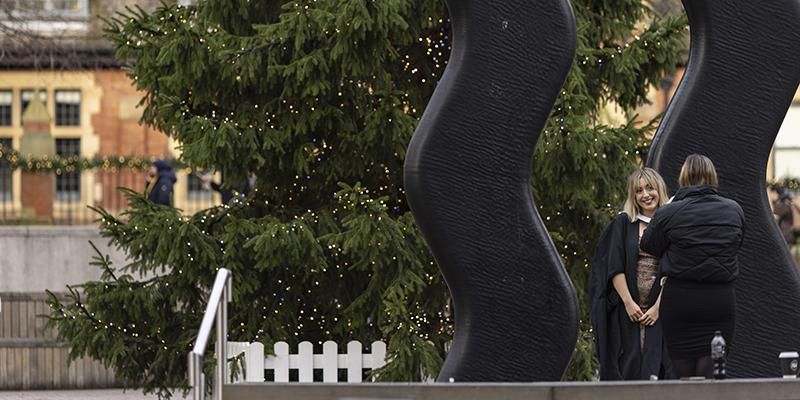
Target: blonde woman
[(697, 236), (625, 289)]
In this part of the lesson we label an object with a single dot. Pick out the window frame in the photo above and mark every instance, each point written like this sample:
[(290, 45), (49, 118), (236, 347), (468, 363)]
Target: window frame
[(196, 190), (10, 108), (6, 173), (66, 181), (49, 12), (61, 120)]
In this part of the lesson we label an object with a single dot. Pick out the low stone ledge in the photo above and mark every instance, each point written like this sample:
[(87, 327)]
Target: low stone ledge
[(733, 389), (89, 232), (30, 343)]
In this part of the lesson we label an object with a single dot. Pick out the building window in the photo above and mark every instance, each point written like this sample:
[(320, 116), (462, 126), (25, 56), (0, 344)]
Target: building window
[(69, 6), (6, 99), (196, 190), (25, 97), (48, 9), (62, 18), (5, 171), (68, 107), (68, 184)]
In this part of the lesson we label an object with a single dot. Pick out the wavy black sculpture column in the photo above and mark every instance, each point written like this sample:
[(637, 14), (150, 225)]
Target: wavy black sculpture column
[(467, 178), (744, 68)]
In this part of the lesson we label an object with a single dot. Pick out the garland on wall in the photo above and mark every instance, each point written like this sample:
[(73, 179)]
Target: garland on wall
[(59, 165), (788, 183)]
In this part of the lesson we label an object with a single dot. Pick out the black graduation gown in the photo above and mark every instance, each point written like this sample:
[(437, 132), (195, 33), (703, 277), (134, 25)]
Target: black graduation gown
[(617, 338)]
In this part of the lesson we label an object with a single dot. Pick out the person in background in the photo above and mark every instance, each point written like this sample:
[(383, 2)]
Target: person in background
[(781, 202), (160, 182), (697, 236), (227, 194), (625, 292)]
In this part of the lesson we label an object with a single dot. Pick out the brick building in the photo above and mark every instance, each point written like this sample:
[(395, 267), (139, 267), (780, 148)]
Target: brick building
[(57, 51), (56, 47)]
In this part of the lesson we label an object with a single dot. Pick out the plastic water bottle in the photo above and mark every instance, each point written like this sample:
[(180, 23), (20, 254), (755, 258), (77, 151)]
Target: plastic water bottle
[(718, 355)]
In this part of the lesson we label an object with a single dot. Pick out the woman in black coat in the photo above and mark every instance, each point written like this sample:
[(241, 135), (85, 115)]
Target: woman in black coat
[(625, 291), (697, 236), (160, 182)]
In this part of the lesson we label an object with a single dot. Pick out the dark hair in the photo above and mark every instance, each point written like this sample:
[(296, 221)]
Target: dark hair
[(698, 170)]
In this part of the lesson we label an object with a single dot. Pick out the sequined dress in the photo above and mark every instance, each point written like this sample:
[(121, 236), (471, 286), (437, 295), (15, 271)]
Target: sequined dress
[(647, 273)]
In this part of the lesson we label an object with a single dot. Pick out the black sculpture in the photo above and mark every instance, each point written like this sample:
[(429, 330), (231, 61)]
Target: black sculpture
[(467, 177), (743, 70)]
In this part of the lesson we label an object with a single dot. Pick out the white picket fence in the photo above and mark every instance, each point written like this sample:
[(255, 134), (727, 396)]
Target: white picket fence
[(305, 361)]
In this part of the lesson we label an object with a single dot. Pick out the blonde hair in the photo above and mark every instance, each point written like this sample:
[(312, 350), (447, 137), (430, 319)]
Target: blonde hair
[(650, 177), (698, 170)]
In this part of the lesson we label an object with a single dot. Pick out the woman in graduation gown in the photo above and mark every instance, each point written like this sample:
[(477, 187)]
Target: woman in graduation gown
[(625, 291)]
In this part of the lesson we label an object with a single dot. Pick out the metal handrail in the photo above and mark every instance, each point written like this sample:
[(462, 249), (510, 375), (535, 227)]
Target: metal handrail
[(217, 305)]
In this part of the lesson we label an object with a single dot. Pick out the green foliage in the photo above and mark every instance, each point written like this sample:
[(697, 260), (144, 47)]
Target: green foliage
[(319, 99)]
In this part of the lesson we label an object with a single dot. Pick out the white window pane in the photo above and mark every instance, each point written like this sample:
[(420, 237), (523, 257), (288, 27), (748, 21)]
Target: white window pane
[(67, 5), (68, 96), (27, 95)]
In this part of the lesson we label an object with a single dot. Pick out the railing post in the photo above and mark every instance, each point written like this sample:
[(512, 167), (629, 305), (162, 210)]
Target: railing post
[(222, 337), (217, 307), (196, 376)]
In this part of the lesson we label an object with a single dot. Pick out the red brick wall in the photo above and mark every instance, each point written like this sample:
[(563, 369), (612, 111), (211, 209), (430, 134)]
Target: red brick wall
[(37, 194), (120, 133), (118, 129)]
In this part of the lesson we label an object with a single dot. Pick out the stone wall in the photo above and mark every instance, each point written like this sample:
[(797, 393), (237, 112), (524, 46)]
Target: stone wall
[(36, 258)]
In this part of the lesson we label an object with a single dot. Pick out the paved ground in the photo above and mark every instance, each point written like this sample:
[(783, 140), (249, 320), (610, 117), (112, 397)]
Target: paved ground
[(104, 394)]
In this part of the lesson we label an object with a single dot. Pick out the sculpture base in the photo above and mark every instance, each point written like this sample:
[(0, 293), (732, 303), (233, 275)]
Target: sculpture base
[(733, 389)]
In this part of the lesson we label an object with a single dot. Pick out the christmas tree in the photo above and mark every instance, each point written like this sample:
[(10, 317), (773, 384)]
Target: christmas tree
[(318, 100)]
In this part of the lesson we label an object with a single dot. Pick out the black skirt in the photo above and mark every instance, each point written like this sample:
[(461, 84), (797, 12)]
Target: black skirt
[(691, 312)]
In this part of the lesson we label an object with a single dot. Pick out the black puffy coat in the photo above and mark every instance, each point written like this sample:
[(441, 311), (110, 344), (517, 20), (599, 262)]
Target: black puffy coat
[(161, 190), (697, 236)]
